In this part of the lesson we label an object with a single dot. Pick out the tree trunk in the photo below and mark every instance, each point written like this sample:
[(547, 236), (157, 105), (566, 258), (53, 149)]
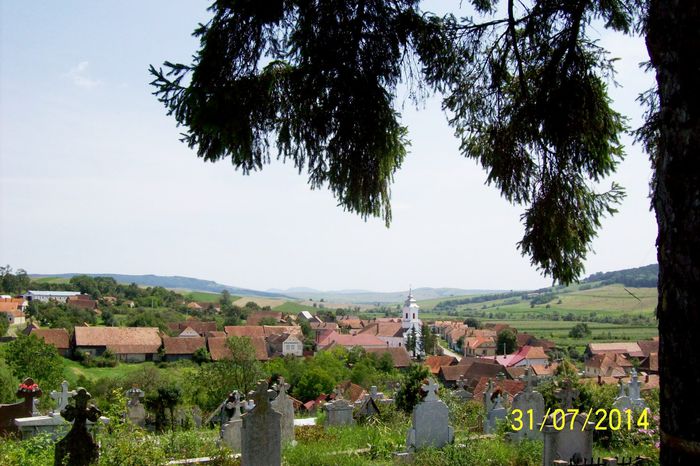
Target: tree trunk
[(673, 42)]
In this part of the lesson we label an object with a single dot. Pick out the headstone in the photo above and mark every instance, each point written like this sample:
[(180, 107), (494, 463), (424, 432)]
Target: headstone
[(78, 448), (135, 411), (634, 389), (531, 405), (28, 391), (496, 413), (61, 397), (261, 435), (339, 411), (283, 404), (567, 444), (231, 430), (622, 402), (368, 409), (462, 393), (430, 421)]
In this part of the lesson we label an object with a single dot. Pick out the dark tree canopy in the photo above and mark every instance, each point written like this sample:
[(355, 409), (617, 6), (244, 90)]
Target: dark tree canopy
[(525, 88), (318, 80)]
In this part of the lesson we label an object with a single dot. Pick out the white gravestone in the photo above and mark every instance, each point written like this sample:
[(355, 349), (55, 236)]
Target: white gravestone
[(61, 398), (494, 408), (430, 421), (135, 411), (567, 444), (634, 388), (231, 430), (261, 434), (622, 402), (531, 405), (339, 411), (284, 405)]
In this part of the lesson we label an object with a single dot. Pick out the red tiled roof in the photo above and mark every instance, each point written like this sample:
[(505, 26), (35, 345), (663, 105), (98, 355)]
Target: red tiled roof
[(649, 346), (630, 348), (512, 387), (183, 345), (383, 329), (244, 330), (399, 355), (219, 350), (435, 362), (120, 340), (7, 306), (349, 341), (57, 337), (351, 391)]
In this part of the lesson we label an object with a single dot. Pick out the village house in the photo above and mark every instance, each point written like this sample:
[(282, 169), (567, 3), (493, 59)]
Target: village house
[(82, 301), (471, 370), (627, 349), (128, 344), (22, 303), (350, 341), (56, 337), (200, 327), (46, 296), (607, 365), (524, 357), (285, 344), (176, 348), (392, 333), (12, 312), (219, 350), (479, 346), (434, 363), (399, 355)]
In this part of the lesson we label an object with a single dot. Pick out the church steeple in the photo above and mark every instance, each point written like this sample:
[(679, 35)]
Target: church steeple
[(409, 316)]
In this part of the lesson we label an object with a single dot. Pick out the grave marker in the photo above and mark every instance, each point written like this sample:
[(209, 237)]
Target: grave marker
[(78, 447), (284, 405), (261, 435), (430, 421)]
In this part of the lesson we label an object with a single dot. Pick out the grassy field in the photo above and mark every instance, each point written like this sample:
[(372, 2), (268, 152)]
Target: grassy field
[(292, 307), (204, 297), (51, 280), (73, 369), (262, 302), (612, 300)]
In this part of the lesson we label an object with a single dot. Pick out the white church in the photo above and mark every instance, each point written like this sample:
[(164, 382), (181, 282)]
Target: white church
[(410, 322)]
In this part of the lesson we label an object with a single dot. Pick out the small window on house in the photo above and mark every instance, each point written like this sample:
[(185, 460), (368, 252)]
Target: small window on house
[(414, 316)]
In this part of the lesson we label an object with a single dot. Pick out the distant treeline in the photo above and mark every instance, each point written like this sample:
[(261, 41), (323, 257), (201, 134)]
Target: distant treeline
[(640, 277)]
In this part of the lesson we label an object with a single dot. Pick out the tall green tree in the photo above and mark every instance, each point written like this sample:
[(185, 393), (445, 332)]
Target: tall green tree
[(526, 91), (506, 341), (29, 356)]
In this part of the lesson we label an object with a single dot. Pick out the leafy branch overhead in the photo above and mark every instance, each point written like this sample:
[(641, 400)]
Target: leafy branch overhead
[(525, 90)]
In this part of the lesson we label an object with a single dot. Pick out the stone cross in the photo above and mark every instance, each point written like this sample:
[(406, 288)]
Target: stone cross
[(461, 382), (373, 392), (487, 395), (634, 386), (62, 397), (261, 435), (621, 387), (528, 379), (567, 394), (78, 444), (135, 394), (431, 387), (283, 404)]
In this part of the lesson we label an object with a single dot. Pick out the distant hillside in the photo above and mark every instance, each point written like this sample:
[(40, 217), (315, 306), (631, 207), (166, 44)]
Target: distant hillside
[(641, 277), (376, 297), (174, 282)]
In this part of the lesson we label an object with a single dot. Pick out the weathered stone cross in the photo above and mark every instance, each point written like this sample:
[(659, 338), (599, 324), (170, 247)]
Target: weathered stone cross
[(567, 394), (262, 396), (528, 379), (134, 394), (431, 387), (62, 397)]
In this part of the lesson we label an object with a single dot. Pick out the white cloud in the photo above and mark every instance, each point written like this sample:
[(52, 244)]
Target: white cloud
[(78, 75)]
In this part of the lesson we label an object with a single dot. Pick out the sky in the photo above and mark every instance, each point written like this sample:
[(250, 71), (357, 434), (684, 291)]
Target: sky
[(93, 177)]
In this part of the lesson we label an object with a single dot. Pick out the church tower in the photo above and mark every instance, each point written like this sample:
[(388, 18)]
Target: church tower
[(409, 316), (411, 324)]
